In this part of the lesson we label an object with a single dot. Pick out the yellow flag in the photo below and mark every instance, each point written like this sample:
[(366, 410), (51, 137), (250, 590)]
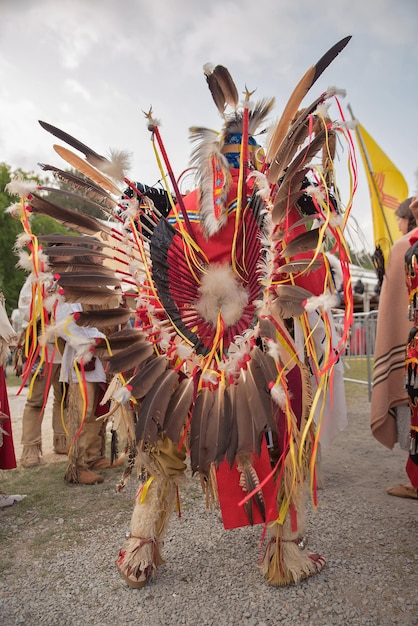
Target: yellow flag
[(388, 189)]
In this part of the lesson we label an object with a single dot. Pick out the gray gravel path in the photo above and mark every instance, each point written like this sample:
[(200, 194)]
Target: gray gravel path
[(211, 577)]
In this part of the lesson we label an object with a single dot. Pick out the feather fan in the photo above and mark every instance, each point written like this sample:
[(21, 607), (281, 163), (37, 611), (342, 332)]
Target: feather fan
[(154, 406), (178, 409)]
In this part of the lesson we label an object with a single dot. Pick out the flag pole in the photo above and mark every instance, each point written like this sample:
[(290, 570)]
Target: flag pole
[(372, 178)]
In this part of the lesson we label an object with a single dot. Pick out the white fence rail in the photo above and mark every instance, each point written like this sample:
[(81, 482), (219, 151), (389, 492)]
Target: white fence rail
[(359, 354)]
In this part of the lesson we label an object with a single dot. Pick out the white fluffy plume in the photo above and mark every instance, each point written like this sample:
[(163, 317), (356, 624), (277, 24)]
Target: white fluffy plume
[(221, 293)]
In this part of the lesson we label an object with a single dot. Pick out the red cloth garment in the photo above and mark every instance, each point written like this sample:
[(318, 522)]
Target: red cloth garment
[(7, 450)]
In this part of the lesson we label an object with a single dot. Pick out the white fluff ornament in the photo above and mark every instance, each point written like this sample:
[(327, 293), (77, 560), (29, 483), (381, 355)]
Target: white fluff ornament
[(221, 293)]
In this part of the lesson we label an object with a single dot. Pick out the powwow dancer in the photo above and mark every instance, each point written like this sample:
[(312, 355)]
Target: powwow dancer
[(210, 369)]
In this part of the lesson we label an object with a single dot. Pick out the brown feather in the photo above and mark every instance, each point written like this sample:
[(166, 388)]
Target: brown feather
[(289, 112), (289, 301), (266, 363), (121, 339), (129, 358), (143, 380), (217, 93), (230, 410), (287, 149), (305, 155), (85, 224), (87, 279), (90, 188), (88, 295), (304, 267), (227, 85), (207, 415), (286, 201), (92, 157), (62, 240), (75, 198), (222, 88), (104, 318), (258, 396), (154, 406), (304, 242), (88, 170), (251, 427), (178, 409)]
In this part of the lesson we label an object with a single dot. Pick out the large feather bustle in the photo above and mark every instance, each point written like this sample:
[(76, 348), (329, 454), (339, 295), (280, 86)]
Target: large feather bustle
[(221, 86), (153, 408)]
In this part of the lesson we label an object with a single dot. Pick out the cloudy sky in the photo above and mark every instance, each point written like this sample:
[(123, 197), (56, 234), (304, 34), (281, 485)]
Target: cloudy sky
[(91, 67)]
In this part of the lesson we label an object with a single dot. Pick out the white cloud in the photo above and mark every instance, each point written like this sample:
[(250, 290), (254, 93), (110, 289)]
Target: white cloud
[(92, 66)]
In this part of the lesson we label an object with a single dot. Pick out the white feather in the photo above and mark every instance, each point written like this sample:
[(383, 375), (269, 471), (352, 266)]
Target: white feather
[(278, 395), (325, 302)]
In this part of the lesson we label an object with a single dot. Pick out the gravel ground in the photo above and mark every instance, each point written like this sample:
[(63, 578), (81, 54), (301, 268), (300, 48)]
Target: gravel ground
[(211, 576)]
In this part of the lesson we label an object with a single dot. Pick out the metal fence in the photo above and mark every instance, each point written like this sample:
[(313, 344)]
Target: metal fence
[(359, 353)]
